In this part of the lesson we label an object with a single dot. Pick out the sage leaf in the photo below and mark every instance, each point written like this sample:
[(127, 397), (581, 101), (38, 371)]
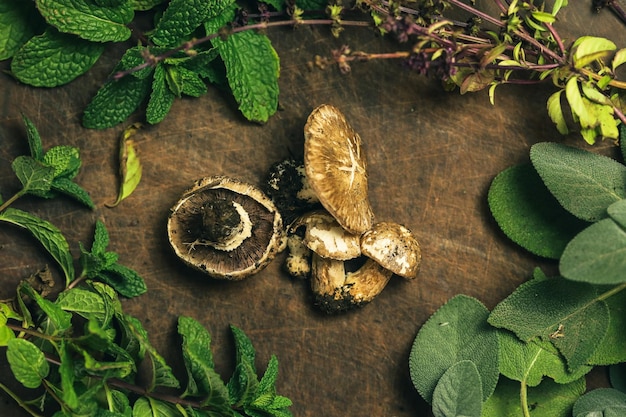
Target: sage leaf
[(204, 381), (458, 392), (596, 255), (252, 69), (182, 17), (27, 362), (161, 97), (36, 178), (47, 234), (457, 331), (528, 214), (617, 376), (584, 183), (87, 20), (115, 101), (568, 314), (530, 362), (548, 399), (617, 212), (52, 59), (16, 18), (130, 168), (605, 402)]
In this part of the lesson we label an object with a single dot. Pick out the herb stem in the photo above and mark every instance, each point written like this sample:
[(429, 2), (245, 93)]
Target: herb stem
[(523, 396), (477, 13), (11, 200), (19, 401)]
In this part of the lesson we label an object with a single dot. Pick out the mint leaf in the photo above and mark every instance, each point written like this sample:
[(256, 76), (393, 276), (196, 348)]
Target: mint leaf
[(126, 281), (145, 4), (252, 68), (54, 59), (584, 183), (528, 214), (66, 186), (192, 83), (568, 314), (27, 362), (115, 101), (64, 159), (547, 400), (60, 320), (100, 239), (204, 381), (149, 407), (458, 392), (36, 178), (243, 384), (605, 402), (34, 139), (596, 255), (16, 26), (457, 331), (83, 302), (87, 20), (66, 372), (47, 234), (530, 362), (161, 98), (182, 17)]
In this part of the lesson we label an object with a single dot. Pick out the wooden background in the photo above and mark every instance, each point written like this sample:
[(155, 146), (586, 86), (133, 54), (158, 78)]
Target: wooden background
[(432, 156)]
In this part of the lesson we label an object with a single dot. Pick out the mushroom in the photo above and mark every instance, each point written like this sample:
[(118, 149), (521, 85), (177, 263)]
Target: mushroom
[(324, 236), (225, 228), (298, 261), (336, 168), (337, 290), (394, 247)]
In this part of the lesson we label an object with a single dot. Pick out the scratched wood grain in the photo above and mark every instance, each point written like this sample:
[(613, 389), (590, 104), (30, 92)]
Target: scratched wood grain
[(432, 156)]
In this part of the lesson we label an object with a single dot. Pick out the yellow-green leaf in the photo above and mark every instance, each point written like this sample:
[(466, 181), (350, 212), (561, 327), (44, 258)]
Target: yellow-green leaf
[(619, 58), (591, 48), (575, 99), (555, 111), (130, 165)]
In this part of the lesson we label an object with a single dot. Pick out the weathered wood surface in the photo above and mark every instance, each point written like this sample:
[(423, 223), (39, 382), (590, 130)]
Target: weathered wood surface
[(432, 156)]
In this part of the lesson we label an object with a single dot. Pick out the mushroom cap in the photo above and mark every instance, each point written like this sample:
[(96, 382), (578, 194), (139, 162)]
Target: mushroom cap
[(336, 168), (254, 253), (394, 247), (335, 290), (325, 236)]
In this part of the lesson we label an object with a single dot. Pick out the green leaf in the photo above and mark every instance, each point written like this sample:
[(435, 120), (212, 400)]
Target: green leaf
[(268, 381), (87, 20), (618, 59), (596, 255), (611, 349), (547, 400), (243, 384), (64, 159), (575, 100), (126, 281), (528, 214), (149, 407), (252, 68), (161, 98), (192, 83), (589, 49), (47, 234), (6, 333), (568, 314), (115, 101), (555, 111), (61, 320), (54, 59), (530, 362), (83, 302), (617, 377), (36, 178), (66, 371), (34, 139), (130, 166), (182, 17), (145, 4), (27, 362), (601, 402), (73, 190), (204, 381), (584, 183), (458, 392), (457, 331), (16, 18)]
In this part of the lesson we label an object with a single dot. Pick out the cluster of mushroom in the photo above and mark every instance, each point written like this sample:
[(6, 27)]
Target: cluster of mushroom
[(322, 242)]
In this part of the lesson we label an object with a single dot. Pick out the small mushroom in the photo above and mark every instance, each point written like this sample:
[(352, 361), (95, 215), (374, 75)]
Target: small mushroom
[(337, 290), (225, 228), (336, 168), (394, 247), (298, 260), (324, 236)]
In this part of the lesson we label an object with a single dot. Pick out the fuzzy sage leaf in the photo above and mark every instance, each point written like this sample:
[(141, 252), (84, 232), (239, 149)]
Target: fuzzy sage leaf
[(458, 392), (606, 402)]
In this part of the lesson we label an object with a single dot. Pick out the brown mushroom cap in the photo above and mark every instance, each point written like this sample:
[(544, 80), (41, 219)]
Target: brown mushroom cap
[(325, 236), (394, 247), (335, 290), (336, 168), (185, 225)]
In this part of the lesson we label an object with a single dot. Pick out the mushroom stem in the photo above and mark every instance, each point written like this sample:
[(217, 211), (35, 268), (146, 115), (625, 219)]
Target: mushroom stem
[(225, 225)]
